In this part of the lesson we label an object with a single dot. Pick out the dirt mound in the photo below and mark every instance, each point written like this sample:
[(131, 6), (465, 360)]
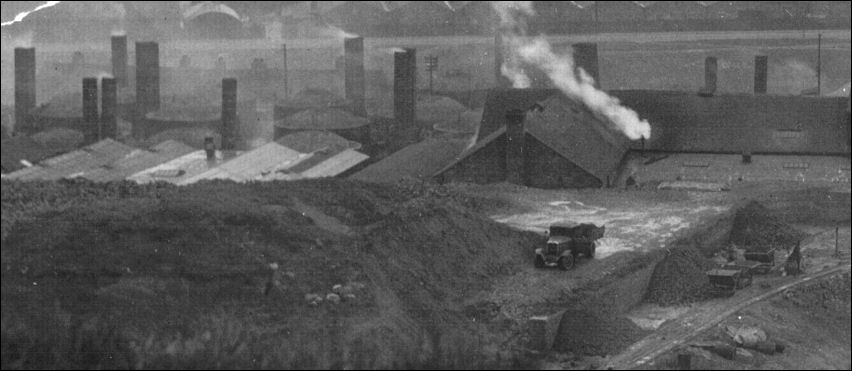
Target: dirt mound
[(149, 277), (679, 278), (756, 228), (582, 332)]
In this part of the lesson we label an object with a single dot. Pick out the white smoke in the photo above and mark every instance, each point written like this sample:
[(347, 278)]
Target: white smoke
[(573, 82), (22, 15)]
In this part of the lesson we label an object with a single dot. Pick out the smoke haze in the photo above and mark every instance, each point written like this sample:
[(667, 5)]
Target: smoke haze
[(573, 82)]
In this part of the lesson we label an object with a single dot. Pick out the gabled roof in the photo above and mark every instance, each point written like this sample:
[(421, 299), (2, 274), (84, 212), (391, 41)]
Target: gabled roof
[(500, 101), (420, 160), (75, 163), (179, 170), (252, 165), (497, 135), (137, 161), (335, 165), (315, 140), (571, 130)]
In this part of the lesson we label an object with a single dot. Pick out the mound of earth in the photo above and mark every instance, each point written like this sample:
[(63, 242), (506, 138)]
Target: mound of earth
[(757, 229), (679, 278), (583, 332), (148, 277)]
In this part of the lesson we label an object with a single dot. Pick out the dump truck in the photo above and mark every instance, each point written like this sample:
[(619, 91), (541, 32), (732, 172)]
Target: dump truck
[(567, 243), (725, 282)]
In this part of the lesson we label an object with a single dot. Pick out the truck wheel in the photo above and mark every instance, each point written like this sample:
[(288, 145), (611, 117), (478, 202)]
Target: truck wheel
[(566, 262), (539, 262)]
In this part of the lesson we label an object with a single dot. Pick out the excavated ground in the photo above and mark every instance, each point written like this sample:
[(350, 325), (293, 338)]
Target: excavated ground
[(156, 276)]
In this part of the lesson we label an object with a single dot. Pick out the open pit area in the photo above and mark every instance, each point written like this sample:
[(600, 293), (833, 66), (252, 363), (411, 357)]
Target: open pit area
[(429, 276)]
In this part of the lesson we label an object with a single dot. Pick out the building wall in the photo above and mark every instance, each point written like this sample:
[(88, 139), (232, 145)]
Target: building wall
[(488, 165), (685, 122), (548, 170), (543, 167)]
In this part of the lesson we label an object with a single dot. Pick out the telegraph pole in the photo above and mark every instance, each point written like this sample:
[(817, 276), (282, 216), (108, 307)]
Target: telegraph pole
[(819, 65), (431, 66)]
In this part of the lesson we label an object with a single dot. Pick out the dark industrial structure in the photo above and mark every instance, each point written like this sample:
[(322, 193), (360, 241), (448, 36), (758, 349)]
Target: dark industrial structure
[(25, 88), (91, 118), (229, 114), (405, 91), (147, 77), (118, 45), (554, 142), (540, 138), (109, 109), (354, 74)]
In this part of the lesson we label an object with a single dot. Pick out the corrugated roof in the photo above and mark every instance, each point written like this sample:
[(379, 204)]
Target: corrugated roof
[(323, 119), (315, 140), (139, 160), (252, 165), (179, 170), (77, 162), (336, 165), (420, 160)]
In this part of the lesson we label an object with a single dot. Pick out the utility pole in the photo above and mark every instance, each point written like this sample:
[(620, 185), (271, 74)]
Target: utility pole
[(819, 65), (431, 66)]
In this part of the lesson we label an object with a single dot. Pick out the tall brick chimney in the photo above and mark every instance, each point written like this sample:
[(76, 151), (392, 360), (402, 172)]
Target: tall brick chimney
[(119, 59), (91, 119), (586, 57), (405, 90), (109, 108), (515, 151), (25, 89), (761, 66), (147, 77), (500, 81), (229, 114), (710, 71), (284, 70), (353, 50)]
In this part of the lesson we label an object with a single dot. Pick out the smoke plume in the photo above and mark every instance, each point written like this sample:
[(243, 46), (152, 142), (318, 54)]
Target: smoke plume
[(572, 81)]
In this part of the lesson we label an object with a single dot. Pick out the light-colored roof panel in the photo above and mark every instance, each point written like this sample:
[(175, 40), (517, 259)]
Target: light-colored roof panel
[(177, 171), (336, 165), (252, 165)]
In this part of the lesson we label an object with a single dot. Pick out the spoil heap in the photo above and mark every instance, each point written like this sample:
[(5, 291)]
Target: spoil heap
[(757, 229), (584, 332), (680, 278), (168, 277)]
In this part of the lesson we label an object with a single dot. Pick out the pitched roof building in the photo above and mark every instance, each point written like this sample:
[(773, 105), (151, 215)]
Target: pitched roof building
[(556, 143)]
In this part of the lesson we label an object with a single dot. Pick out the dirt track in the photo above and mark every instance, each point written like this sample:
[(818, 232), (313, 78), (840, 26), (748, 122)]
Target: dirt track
[(702, 318)]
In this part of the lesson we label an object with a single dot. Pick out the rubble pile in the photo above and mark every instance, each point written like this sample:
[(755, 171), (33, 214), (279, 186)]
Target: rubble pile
[(680, 278), (757, 229)]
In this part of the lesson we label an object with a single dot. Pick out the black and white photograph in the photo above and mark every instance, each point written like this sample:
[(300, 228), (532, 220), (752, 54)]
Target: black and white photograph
[(475, 185)]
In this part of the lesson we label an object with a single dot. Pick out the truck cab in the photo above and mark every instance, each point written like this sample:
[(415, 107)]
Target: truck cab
[(566, 243)]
